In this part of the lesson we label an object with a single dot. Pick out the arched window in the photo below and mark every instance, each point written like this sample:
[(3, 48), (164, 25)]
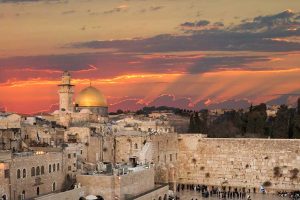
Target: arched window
[(18, 173), (42, 170), (53, 167), (24, 173), (57, 166), (136, 146), (38, 191), (53, 186), (50, 168), (159, 198), (32, 171), (37, 171), (4, 197)]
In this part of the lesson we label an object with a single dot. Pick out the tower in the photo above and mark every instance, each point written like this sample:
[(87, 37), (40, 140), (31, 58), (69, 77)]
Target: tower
[(66, 92)]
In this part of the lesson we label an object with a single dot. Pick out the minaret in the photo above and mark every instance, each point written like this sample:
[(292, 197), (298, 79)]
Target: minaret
[(66, 92)]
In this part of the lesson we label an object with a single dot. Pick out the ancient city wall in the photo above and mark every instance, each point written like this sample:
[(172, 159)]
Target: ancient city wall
[(239, 163)]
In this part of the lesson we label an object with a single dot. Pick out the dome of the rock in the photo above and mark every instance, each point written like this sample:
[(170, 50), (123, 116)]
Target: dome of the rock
[(90, 97)]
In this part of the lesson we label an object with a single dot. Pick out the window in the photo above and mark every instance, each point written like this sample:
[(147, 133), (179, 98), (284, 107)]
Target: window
[(69, 155), (49, 168), (171, 157), (81, 152), (53, 167), (74, 155), (23, 194), (42, 170), (136, 146), (37, 171), (4, 197), (165, 197), (18, 173), (32, 171), (69, 168), (57, 166), (24, 173), (53, 186), (38, 191), (6, 173)]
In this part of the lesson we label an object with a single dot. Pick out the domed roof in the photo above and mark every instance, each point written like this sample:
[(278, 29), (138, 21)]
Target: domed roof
[(85, 111), (90, 97)]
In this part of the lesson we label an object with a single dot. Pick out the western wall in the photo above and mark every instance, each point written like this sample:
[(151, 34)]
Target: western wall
[(239, 163)]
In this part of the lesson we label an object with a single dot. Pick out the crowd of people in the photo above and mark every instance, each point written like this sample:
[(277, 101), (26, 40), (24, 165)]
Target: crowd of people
[(292, 195), (205, 192)]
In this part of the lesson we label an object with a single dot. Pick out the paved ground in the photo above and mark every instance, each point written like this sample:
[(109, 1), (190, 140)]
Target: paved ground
[(188, 195)]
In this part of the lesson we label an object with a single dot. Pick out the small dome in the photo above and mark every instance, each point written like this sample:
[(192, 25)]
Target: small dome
[(85, 111), (56, 112), (90, 97)]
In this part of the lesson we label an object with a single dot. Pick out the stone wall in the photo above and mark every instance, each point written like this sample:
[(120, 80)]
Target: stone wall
[(239, 163), (97, 185), (67, 195), (161, 193), (111, 186), (137, 182)]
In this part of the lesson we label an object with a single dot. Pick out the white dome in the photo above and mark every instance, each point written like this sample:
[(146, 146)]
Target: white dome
[(55, 112), (85, 111)]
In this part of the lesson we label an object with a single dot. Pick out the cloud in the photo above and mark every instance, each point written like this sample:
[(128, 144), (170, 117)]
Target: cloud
[(200, 23), (283, 21), (217, 63), (68, 12), (289, 99), (32, 1), (83, 28), (151, 9), (256, 35), (219, 24), (177, 102), (187, 24), (121, 8), (170, 100), (155, 8)]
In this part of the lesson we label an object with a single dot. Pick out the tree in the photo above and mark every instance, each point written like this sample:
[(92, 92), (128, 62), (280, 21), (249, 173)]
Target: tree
[(119, 111), (298, 107), (282, 121), (192, 124), (256, 119), (296, 122)]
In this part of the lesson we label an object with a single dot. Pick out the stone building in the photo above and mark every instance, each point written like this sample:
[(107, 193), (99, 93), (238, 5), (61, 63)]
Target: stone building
[(5, 158), (32, 174), (90, 104), (124, 184)]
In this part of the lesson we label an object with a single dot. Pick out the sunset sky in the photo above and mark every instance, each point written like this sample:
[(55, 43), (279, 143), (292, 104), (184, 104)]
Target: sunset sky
[(185, 53)]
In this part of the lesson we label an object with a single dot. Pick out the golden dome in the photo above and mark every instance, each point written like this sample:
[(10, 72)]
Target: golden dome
[(90, 97)]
